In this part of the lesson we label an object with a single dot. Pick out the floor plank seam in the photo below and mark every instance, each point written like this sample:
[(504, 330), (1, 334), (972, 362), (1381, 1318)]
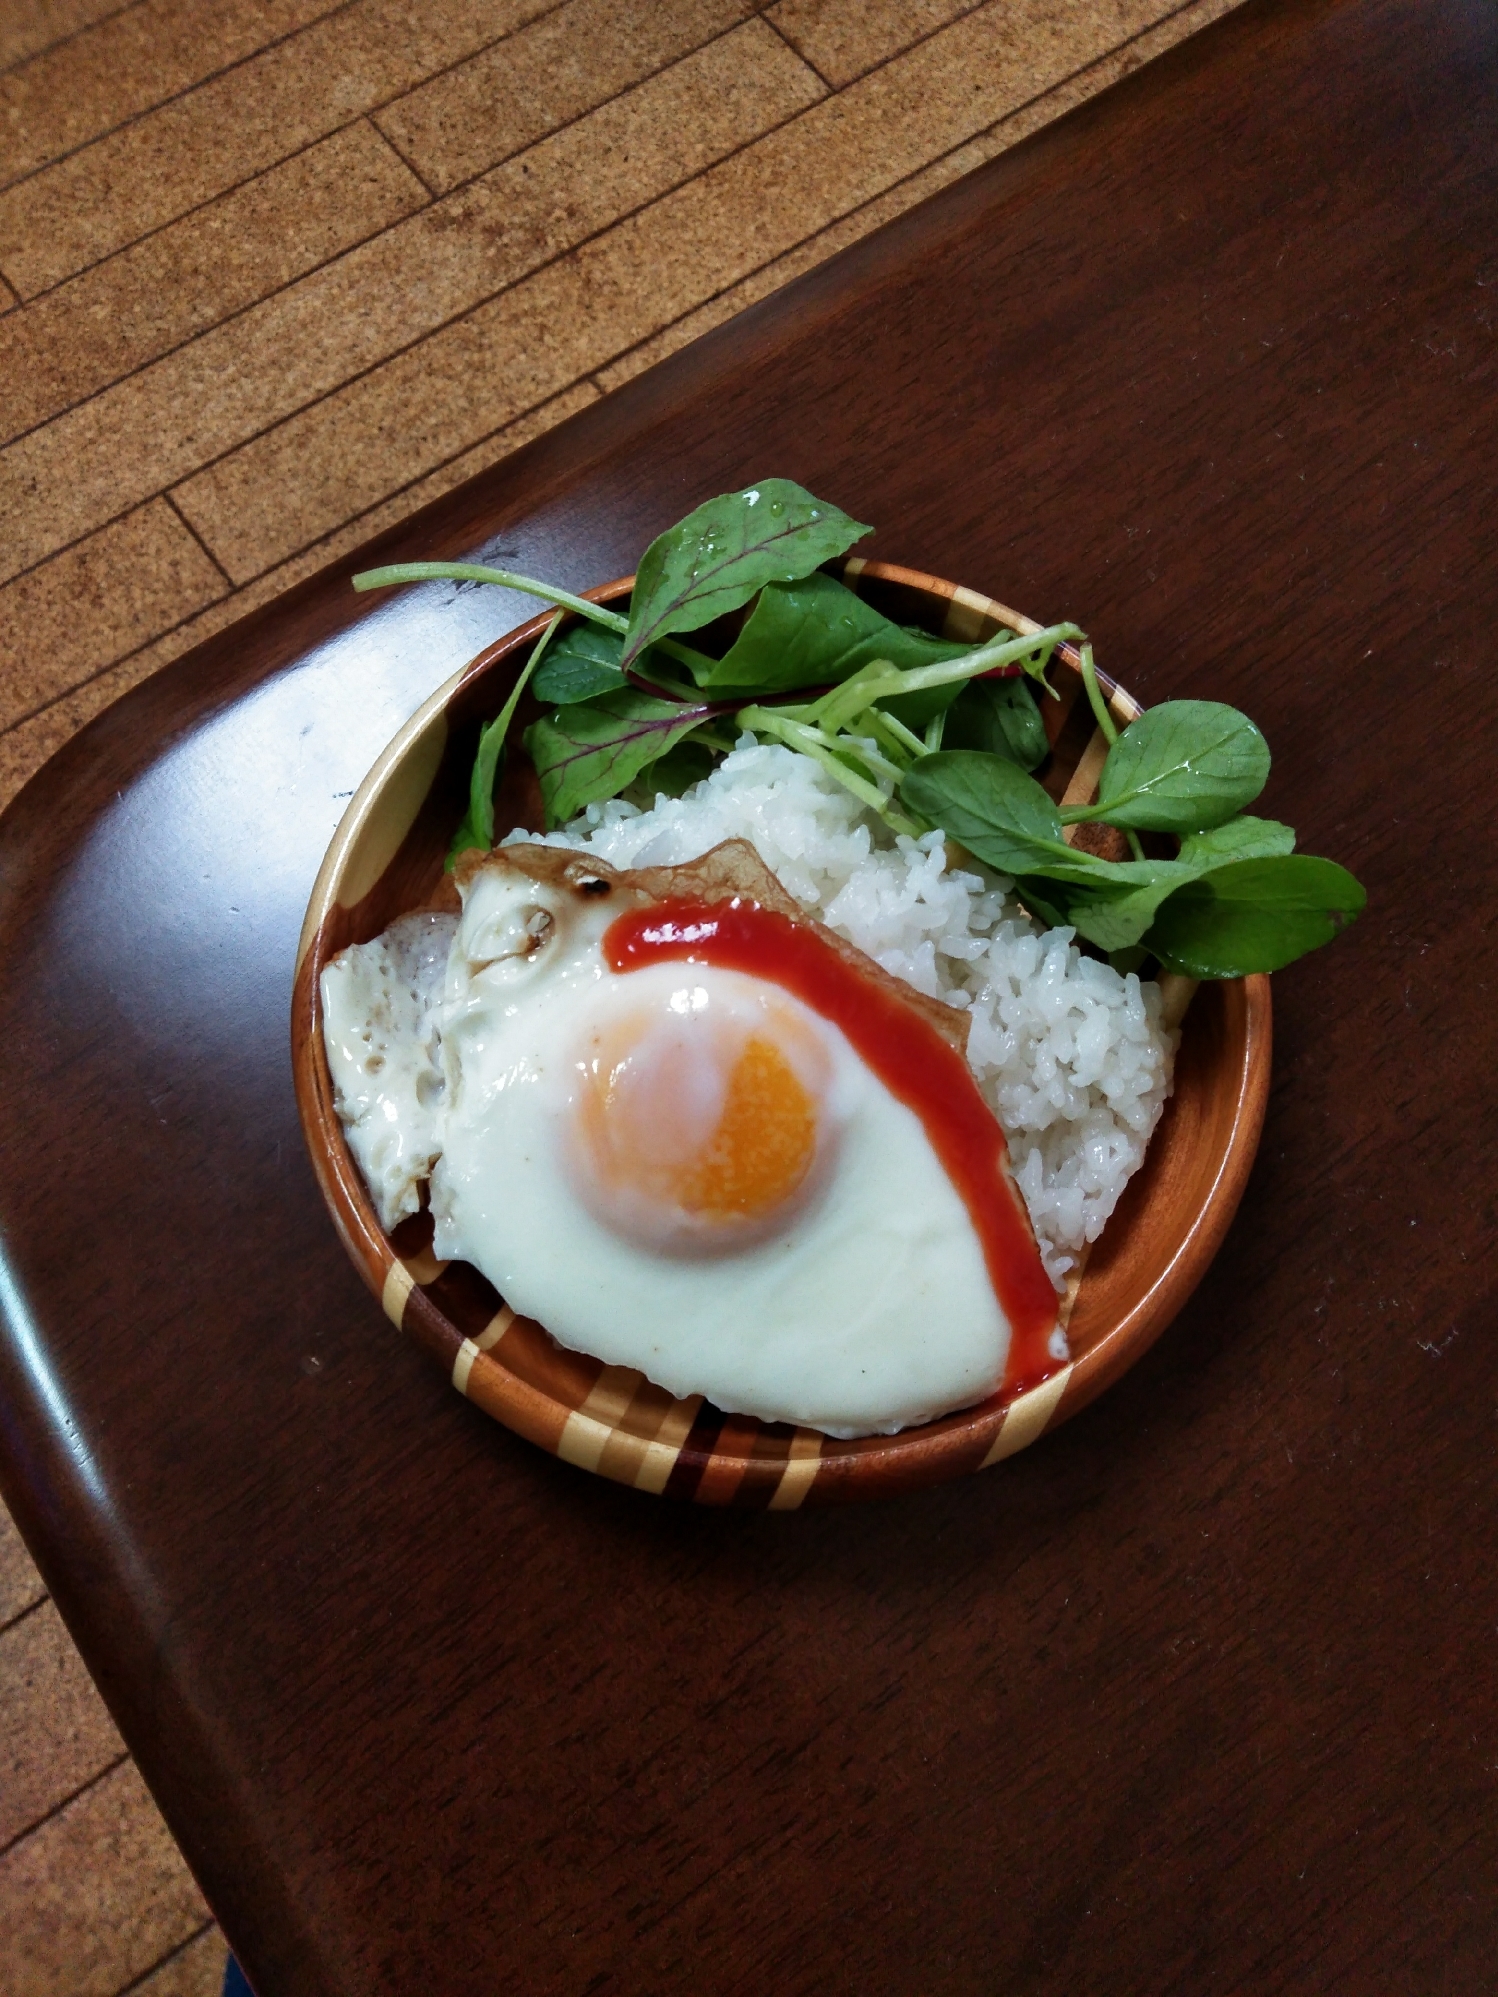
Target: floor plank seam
[(297, 554), (975, 139), (63, 40), (631, 90), (57, 1808), (937, 158), (176, 96), (468, 311), (371, 117), (371, 114), (66, 547), (370, 111), (430, 471), (239, 589), (170, 222), (41, 1600), (121, 659), (229, 582), (545, 14), (409, 164), (177, 1948), (195, 208), (800, 54), (198, 332), (920, 41), (567, 124), (394, 353)]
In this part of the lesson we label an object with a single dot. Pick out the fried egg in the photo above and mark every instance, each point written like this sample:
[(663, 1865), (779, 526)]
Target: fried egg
[(688, 1169)]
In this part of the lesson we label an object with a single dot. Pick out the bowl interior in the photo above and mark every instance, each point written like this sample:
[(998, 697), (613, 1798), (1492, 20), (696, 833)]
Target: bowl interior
[(387, 858)]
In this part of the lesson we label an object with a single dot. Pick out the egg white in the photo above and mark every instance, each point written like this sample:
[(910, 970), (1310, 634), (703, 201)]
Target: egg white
[(868, 1310), (384, 1050)]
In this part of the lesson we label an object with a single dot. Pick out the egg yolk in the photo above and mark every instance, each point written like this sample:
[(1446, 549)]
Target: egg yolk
[(763, 1146), (711, 1128)]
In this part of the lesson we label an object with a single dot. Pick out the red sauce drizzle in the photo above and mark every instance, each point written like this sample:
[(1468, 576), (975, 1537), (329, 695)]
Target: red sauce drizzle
[(914, 1062)]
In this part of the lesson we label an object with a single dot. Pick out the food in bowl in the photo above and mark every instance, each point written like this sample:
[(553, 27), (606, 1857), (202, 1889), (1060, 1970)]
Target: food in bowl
[(691, 1131), (629, 1189)]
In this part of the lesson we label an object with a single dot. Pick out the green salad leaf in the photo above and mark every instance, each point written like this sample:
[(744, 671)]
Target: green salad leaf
[(676, 772), (1255, 915), (1240, 838), (1117, 920), (999, 716), (1184, 766), (817, 632), (989, 805), (726, 550), (477, 828), (1236, 896), (926, 732), (584, 661), (1117, 916), (593, 749)]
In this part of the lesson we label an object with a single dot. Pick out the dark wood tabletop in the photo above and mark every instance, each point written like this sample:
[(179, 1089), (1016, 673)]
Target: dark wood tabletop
[(1195, 1695)]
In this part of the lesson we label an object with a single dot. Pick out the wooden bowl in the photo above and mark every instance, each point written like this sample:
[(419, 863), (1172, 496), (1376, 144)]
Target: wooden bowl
[(386, 858)]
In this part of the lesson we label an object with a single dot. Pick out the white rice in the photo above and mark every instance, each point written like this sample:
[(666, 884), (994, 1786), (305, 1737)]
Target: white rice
[(1069, 1054)]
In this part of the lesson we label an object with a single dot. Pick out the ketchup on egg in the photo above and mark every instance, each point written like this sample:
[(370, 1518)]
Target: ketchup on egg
[(910, 1057)]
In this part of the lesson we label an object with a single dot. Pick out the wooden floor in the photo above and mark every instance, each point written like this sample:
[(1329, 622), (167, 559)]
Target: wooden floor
[(272, 274)]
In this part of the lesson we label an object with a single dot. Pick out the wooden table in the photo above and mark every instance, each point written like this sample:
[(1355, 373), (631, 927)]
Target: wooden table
[(1195, 1695)]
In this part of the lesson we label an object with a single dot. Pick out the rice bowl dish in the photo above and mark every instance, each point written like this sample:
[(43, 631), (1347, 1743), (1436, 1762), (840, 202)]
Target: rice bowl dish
[(764, 874), (1037, 1011)]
